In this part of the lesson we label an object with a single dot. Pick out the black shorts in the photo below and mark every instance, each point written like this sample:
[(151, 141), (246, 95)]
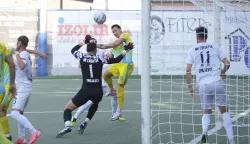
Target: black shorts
[(84, 95)]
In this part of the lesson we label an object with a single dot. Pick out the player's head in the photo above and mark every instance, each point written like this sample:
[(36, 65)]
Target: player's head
[(23, 41), (117, 30), (93, 40), (201, 34), (91, 48)]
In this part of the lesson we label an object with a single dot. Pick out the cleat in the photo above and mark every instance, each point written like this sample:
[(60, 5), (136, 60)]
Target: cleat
[(111, 92), (63, 132), (73, 121), (121, 119), (204, 138), (20, 141), (34, 137), (116, 116), (82, 128), (9, 137)]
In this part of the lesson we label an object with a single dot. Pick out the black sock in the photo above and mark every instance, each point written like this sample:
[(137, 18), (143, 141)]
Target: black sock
[(92, 109), (67, 115)]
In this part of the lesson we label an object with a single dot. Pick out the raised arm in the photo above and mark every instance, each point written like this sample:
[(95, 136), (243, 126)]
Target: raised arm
[(117, 59), (111, 60), (75, 51), (111, 45)]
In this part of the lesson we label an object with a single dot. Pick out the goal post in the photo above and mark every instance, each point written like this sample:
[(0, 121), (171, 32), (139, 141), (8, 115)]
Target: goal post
[(145, 74), (173, 116)]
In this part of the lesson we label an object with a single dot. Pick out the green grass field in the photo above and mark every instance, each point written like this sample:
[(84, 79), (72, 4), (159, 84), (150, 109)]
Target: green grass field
[(175, 117)]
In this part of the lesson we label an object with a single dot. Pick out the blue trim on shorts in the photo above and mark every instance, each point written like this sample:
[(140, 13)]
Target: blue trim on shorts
[(6, 99), (126, 79)]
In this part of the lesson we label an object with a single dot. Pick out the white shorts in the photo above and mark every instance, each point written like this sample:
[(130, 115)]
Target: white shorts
[(212, 91), (21, 100)]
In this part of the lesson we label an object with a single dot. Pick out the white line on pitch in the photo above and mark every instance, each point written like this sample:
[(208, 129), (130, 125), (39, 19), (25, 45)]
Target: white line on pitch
[(131, 111), (74, 92)]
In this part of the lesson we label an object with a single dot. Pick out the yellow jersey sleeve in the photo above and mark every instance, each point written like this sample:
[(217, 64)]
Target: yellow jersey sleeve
[(126, 37)]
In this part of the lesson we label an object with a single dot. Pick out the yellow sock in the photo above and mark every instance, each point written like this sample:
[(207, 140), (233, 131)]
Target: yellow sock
[(1, 124), (4, 140), (5, 125), (120, 96), (108, 81)]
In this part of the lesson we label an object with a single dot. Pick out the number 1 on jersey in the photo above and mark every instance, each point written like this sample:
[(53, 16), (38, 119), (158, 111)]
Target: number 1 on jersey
[(202, 58), (91, 71)]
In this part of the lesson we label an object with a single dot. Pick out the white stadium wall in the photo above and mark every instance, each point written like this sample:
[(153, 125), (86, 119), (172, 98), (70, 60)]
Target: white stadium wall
[(171, 36)]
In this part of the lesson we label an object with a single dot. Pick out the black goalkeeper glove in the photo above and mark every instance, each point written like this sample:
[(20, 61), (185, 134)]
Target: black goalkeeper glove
[(87, 39), (129, 46)]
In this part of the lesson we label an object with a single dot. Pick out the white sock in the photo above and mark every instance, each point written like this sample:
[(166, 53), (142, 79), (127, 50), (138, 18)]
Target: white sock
[(86, 120), (21, 131), (23, 121), (67, 124), (118, 110), (7, 135), (205, 122), (227, 123), (113, 104), (83, 108)]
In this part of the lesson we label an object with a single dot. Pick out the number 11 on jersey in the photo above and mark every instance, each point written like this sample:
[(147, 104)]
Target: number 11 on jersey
[(91, 71)]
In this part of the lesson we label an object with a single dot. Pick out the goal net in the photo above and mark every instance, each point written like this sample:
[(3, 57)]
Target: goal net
[(175, 117)]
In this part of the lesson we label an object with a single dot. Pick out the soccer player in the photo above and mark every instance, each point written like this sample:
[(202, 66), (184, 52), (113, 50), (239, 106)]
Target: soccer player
[(24, 87), (91, 90), (105, 88), (7, 97), (122, 69), (206, 59), (5, 56)]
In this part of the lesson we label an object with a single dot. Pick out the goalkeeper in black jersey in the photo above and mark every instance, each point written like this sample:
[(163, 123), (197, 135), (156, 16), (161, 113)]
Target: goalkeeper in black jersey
[(91, 90)]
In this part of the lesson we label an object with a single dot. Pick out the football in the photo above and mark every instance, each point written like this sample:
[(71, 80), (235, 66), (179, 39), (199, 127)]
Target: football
[(100, 17)]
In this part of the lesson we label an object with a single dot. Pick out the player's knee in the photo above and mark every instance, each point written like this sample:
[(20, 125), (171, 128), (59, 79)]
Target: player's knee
[(107, 74), (223, 109), (207, 111), (67, 111), (14, 114), (121, 85)]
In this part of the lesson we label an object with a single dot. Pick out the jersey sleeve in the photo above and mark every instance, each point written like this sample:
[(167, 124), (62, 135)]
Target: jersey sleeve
[(126, 37), (221, 54), (24, 56), (107, 60), (189, 59), (8, 51), (76, 53)]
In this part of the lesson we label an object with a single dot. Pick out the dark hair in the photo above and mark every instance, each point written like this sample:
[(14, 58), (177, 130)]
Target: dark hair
[(201, 32), (91, 47), (116, 25), (24, 40)]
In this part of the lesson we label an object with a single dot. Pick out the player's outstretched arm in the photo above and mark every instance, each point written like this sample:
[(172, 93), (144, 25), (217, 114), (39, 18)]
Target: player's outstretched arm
[(42, 55), (127, 48), (75, 51), (111, 45)]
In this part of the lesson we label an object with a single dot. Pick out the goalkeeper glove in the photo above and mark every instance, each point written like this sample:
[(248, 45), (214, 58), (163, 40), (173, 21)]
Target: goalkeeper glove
[(129, 46), (87, 39)]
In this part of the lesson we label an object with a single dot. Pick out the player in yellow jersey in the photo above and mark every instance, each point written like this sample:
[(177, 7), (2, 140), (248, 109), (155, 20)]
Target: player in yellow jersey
[(7, 97), (122, 69), (5, 56)]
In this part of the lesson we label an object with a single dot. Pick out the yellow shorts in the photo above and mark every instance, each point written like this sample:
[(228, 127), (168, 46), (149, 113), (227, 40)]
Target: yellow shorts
[(122, 70), (5, 98)]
